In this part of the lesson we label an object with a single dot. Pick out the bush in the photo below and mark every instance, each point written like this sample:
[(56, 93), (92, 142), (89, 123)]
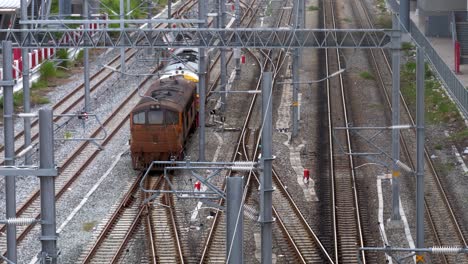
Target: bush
[(62, 54), (47, 70)]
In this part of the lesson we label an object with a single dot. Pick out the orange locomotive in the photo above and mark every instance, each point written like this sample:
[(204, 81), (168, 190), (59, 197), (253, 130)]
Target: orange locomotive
[(162, 121)]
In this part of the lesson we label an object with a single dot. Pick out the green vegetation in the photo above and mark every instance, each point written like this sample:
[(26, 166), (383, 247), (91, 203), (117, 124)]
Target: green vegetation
[(62, 54), (47, 70), (384, 21), (68, 135), (366, 75), (438, 146), (408, 49), (313, 8), (381, 5), (89, 226), (347, 20), (439, 107), (460, 135)]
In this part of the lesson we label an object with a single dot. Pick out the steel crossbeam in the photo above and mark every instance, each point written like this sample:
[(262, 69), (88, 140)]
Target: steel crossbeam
[(203, 38)]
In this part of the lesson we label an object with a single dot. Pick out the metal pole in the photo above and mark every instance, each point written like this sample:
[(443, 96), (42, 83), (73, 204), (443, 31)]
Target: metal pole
[(169, 12), (237, 51), (149, 5), (396, 43), (234, 221), (9, 134), (420, 148), (202, 84), (295, 72), (122, 50), (222, 17), (26, 88), (86, 62), (404, 15), (64, 8), (266, 187), (169, 9), (46, 153)]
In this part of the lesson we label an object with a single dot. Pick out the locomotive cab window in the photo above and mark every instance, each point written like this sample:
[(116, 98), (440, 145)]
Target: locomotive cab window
[(172, 118), (155, 117), (139, 118)]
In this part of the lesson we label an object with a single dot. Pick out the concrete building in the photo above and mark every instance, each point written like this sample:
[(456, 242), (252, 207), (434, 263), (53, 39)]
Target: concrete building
[(436, 15)]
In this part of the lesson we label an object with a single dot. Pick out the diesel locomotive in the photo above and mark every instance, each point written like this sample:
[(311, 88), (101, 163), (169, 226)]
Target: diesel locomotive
[(164, 117)]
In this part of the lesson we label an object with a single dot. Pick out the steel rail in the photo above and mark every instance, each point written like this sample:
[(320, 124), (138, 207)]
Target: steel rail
[(128, 201), (344, 250), (77, 162), (65, 101), (236, 156), (283, 227), (429, 162)]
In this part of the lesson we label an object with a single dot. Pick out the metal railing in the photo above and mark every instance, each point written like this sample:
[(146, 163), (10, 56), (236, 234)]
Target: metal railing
[(455, 88), (453, 85)]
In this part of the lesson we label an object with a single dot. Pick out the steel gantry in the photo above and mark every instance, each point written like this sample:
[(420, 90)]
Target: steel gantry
[(268, 38), (263, 38)]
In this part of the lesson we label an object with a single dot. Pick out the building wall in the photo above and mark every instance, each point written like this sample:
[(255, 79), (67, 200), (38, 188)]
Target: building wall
[(441, 6)]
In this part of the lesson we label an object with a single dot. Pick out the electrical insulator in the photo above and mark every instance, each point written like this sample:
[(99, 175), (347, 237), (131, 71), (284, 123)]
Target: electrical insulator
[(19, 221), (446, 250)]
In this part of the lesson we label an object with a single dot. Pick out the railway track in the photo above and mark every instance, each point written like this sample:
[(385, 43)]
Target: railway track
[(294, 230), (71, 168), (346, 225), (76, 97), (122, 224), (438, 206), (162, 232)]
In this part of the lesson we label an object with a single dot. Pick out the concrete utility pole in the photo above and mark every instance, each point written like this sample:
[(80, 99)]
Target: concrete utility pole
[(222, 24), (9, 134), (420, 70), (64, 8), (396, 54), (202, 84), (26, 88), (49, 253), (122, 50), (405, 15), (298, 24), (237, 51), (266, 187), (234, 220), (87, 106)]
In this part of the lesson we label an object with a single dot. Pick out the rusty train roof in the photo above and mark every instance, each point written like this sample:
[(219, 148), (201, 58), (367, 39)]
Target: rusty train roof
[(170, 93)]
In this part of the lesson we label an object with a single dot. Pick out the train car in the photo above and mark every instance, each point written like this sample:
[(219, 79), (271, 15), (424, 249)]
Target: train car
[(162, 120)]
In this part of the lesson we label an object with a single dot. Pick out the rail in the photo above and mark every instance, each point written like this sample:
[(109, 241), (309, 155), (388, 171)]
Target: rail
[(454, 87)]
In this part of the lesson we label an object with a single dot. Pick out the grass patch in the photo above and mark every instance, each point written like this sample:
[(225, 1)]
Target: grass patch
[(347, 20), (384, 21), (377, 106), (39, 84), (459, 135), (366, 75), (439, 108), (438, 146), (61, 74), (408, 49), (88, 226), (47, 70), (313, 8), (62, 54)]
